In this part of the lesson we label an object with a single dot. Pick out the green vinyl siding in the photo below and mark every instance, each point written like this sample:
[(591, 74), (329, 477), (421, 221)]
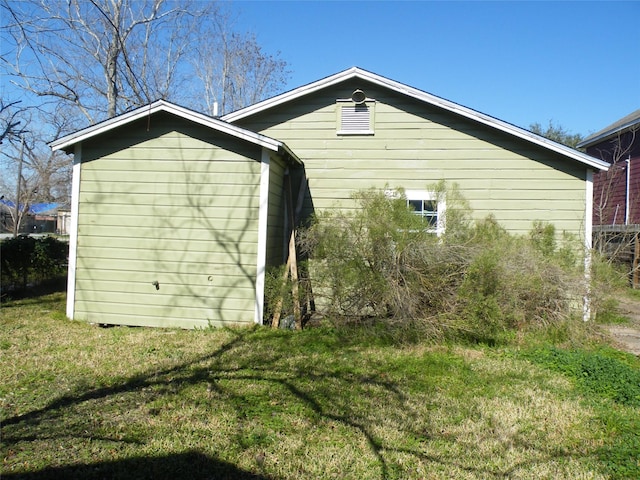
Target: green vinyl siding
[(172, 203), (276, 213), (415, 145)]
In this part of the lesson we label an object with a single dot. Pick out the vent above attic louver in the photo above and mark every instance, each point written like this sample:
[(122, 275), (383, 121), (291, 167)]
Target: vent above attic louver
[(358, 97)]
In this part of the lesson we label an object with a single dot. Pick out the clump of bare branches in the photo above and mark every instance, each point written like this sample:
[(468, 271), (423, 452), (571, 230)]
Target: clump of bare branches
[(381, 261)]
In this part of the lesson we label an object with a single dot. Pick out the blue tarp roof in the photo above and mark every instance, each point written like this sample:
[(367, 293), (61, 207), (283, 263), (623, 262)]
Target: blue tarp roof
[(36, 208)]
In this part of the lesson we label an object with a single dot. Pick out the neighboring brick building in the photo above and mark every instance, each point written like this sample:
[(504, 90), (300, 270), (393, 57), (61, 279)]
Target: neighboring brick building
[(616, 193)]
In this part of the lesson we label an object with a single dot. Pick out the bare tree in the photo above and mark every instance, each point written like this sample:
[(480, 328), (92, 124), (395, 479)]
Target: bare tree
[(32, 173), (107, 56), (11, 126), (12, 130), (616, 193), (234, 69), (24, 188), (82, 61), (102, 56)]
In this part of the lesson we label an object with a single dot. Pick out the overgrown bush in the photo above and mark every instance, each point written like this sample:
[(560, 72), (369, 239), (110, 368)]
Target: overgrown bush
[(382, 261), (514, 281), (379, 260), (608, 279), (28, 261)]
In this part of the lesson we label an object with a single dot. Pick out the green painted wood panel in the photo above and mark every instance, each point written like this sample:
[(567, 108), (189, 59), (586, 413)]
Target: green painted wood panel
[(128, 221), (202, 290), (133, 244), (96, 312), (157, 237), (173, 203), (187, 281), (196, 176), (276, 213), (416, 145)]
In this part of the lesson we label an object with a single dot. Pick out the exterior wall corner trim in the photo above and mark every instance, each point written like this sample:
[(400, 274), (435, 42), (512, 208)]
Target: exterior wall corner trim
[(73, 234), (263, 218)]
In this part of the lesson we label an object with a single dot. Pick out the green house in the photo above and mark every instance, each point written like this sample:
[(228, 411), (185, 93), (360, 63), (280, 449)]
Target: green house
[(176, 215)]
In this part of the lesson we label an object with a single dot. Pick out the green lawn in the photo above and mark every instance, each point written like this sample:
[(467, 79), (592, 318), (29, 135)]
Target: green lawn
[(79, 401)]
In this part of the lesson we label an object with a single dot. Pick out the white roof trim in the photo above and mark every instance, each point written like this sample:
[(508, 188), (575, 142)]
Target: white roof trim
[(356, 72), (164, 106), (616, 129)]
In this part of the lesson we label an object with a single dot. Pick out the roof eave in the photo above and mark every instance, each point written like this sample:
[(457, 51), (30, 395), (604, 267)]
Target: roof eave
[(290, 95), (356, 72), (66, 142), (593, 140)]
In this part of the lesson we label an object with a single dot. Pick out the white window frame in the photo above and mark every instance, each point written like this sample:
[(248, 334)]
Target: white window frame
[(426, 195)]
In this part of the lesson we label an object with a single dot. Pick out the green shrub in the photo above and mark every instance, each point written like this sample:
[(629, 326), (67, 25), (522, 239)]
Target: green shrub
[(379, 261), (49, 258), (607, 281), (27, 261), (515, 281), (16, 256)]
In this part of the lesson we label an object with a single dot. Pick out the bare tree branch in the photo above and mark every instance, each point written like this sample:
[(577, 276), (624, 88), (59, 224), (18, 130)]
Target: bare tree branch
[(10, 127), (81, 61)]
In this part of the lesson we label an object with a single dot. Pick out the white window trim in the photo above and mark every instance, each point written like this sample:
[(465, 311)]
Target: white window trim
[(342, 102), (73, 233), (263, 220), (431, 196)]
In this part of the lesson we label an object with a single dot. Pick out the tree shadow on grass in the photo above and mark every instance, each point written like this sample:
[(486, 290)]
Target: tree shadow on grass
[(191, 465), (258, 387), (52, 420)]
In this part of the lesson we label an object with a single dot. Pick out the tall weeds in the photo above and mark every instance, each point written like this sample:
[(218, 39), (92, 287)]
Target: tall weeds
[(381, 261)]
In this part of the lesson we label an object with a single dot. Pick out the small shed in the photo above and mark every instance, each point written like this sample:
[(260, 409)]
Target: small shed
[(174, 218)]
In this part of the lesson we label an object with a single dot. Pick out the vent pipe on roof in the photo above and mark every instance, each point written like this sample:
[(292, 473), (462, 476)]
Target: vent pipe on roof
[(215, 109)]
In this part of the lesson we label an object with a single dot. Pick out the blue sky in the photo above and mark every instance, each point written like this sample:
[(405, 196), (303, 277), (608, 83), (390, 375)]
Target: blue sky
[(576, 63)]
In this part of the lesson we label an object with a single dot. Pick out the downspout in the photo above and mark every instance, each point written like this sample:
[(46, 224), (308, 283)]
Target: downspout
[(588, 245), (627, 203)]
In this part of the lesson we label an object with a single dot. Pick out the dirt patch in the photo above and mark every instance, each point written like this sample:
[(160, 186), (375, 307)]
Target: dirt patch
[(627, 337)]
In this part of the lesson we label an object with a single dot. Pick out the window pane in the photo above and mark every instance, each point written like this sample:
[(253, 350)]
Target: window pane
[(416, 206), (427, 209)]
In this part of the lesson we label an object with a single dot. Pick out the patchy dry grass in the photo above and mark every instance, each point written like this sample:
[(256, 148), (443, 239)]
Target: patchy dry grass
[(80, 401)]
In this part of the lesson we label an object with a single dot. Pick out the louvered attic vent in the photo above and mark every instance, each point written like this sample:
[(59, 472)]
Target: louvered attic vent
[(355, 120), (355, 117)]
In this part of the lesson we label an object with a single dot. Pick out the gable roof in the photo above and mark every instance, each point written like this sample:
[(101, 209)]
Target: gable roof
[(65, 143), (631, 120), (358, 73)]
